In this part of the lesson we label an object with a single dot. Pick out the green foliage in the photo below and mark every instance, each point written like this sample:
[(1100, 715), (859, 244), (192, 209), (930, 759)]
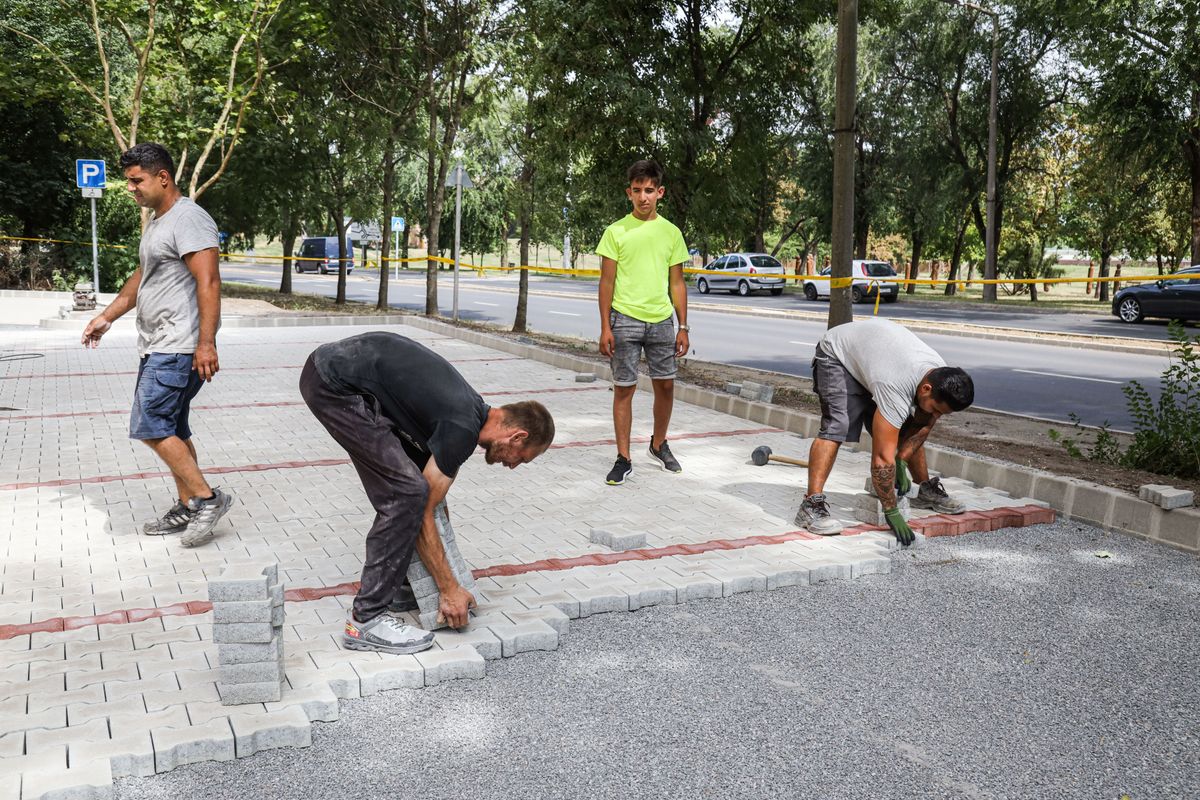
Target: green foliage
[(1167, 432)]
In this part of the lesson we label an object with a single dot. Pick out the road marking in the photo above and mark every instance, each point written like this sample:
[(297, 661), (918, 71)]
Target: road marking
[(810, 344), (566, 314), (481, 303), (1060, 375)]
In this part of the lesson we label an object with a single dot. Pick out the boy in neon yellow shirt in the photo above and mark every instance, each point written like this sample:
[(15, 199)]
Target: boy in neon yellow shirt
[(641, 282)]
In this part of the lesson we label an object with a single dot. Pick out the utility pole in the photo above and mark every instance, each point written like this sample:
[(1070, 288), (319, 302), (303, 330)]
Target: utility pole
[(842, 235), (990, 239), (989, 261)]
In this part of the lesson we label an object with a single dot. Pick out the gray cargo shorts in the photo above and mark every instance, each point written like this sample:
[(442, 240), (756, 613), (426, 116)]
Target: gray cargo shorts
[(631, 337), (846, 405)]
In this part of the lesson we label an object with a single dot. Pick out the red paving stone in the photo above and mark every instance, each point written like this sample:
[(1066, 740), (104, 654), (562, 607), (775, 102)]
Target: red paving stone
[(936, 525)]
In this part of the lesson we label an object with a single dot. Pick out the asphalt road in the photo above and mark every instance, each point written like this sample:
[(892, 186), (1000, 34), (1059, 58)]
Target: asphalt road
[(1015, 664), (1101, 323), (1038, 380)]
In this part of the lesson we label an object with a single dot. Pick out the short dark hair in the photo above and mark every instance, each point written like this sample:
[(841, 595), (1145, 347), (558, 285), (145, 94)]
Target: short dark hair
[(646, 168), (150, 157), (952, 386), (533, 418)]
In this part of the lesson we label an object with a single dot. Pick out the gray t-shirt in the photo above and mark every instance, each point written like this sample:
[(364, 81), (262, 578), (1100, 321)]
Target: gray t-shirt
[(168, 317), (886, 358)]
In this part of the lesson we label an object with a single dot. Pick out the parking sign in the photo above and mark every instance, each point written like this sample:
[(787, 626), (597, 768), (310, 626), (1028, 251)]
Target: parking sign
[(89, 173)]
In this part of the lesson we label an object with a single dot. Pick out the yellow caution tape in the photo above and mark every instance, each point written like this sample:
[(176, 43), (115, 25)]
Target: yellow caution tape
[(834, 283)]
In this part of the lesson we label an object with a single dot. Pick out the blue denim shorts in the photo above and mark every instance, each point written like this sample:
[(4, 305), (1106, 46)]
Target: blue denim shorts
[(166, 384)]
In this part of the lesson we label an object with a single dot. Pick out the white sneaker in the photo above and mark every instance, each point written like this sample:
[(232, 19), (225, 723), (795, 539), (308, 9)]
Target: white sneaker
[(385, 634)]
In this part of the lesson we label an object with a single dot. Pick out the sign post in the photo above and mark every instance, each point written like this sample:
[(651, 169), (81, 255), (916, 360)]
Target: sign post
[(459, 179), (397, 229), (90, 178)]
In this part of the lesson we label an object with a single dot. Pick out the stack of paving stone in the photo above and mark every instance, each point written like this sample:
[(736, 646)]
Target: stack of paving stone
[(423, 584), (868, 509), (247, 603)]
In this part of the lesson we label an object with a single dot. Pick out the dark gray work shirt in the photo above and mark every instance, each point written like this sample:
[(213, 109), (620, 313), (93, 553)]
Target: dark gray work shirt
[(431, 406)]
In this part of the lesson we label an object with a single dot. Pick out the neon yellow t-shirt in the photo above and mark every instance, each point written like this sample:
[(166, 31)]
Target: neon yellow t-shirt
[(644, 251)]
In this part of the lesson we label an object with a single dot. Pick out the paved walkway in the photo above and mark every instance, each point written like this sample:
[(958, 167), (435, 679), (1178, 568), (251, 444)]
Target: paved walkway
[(108, 665)]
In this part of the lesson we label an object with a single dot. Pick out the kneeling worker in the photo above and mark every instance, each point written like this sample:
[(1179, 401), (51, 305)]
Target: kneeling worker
[(877, 372), (409, 420)]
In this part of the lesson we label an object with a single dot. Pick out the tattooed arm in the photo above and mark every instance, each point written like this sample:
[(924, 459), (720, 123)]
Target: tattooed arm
[(884, 439), (912, 436)]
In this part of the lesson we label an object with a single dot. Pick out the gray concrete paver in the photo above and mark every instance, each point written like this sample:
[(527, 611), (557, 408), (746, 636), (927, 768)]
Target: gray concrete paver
[(74, 549)]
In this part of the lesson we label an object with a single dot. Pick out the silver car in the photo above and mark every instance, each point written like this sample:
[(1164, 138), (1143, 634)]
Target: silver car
[(765, 272)]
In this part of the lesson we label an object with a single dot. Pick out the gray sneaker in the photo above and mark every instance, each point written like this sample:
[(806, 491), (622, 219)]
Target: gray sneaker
[(205, 516), (174, 521), (933, 495), (385, 634), (815, 516), (665, 457)]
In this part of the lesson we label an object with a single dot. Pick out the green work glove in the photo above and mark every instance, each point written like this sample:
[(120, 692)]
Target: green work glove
[(895, 521), (903, 481)]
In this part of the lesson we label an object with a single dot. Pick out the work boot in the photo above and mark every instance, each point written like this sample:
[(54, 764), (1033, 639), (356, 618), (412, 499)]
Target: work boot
[(620, 471), (814, 515), (665, 457), (933, 495), (385, 634), (174, 521), (205, 516)]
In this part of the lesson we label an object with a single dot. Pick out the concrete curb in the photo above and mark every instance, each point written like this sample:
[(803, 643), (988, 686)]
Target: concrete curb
[(1106, 508)]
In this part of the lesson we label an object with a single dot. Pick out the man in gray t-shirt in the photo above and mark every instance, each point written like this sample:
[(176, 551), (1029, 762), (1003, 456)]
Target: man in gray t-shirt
[(878, 373), (177, 292)]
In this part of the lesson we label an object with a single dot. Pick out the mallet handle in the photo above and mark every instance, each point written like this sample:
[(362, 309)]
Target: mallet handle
[(785, 460)]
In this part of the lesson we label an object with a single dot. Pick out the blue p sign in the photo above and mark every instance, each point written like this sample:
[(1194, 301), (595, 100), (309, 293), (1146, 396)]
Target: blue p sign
[(89, 173)]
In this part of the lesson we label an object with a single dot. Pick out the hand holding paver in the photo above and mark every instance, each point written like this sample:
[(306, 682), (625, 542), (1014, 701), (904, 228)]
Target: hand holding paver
[(454, 606), (895, 520)]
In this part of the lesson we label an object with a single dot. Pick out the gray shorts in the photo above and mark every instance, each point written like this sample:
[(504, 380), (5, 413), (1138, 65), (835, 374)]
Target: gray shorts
[(632, 336), (846, 405)]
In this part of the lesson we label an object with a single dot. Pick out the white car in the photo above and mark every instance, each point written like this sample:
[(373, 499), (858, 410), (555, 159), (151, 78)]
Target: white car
[(719, 274), (867, 275)]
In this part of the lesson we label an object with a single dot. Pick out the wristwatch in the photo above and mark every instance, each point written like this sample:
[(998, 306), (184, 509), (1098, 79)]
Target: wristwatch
[(685, 327)]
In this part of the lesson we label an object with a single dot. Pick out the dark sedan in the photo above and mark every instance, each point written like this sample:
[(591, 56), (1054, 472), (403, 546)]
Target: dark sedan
[(1173, 298)]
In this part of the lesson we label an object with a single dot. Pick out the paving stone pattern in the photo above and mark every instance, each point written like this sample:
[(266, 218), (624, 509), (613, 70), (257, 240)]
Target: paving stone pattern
[(113, 663)]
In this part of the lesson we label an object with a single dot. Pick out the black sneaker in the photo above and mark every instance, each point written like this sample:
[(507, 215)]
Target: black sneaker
[(665, 457), (619, 472), (174, 521)]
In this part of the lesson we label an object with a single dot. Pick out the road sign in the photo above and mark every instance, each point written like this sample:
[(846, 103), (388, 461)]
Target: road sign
[(89, 173), (397, 223), (92, 191), (459, 177)]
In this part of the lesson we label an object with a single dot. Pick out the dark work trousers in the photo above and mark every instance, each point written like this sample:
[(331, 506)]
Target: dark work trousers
[(394, 484)]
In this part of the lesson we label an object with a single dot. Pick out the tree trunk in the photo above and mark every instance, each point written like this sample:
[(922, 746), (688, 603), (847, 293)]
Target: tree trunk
[(287, 236), (1105, 253), (340, 225), (385, 248), (918, 244), (525, 224), (956, 256), (404, 239)]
